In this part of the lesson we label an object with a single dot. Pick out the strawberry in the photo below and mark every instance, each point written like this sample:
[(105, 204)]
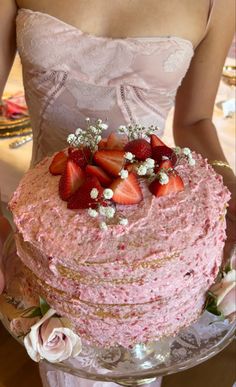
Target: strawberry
[(126, 191), (58, 164), (116, 142), (140, 148), (82, 197), (132, 167), (80, 156), (155, 141), (174, 185), (162, 150), (102, 143), (165, 164), (93, 170), (111, 161), (71, 179)]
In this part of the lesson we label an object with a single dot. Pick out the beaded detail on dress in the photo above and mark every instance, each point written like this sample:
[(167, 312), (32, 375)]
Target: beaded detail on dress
[(70, 75)]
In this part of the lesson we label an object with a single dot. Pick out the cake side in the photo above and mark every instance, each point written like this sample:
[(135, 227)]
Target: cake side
[(125, 284)]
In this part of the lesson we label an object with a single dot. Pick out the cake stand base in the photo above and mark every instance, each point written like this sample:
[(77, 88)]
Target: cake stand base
[(141, 382)]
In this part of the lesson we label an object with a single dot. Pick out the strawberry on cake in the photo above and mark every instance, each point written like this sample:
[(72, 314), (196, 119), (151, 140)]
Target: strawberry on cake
[(122, 235)]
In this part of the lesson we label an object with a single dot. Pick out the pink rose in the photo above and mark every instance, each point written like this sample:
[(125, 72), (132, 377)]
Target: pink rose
[(225, 295), (51, 339)]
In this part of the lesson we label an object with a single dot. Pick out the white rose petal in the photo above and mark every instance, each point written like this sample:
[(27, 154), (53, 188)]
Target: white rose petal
[(49, 339), (94, 193), (107, 193)]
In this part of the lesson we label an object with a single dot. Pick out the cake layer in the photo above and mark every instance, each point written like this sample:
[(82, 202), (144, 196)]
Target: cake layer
[(126, 284)]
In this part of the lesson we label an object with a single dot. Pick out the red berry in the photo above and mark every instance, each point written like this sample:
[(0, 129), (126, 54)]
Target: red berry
[(94, 170), (115, 141), (58, 164), (140, 148), (80, 156), (82, 197), (174, 185), (165, 164), (71, 179), (155, 141), (126, 191), (111, 161), (159, 151)]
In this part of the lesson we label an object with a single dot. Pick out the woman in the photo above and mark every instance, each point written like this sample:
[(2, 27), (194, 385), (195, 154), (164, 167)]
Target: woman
[(121, 61)]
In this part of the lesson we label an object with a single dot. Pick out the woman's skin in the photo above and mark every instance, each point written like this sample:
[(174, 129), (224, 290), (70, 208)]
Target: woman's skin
[(195, 98)]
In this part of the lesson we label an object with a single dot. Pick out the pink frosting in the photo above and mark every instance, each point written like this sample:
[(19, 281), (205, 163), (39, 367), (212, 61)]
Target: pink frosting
[(130, 283)]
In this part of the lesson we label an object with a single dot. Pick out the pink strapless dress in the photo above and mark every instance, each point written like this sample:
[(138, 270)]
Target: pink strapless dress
[(70, 75)]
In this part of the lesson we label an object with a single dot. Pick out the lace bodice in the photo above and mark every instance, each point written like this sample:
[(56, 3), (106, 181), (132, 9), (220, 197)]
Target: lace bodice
[(70, 75)]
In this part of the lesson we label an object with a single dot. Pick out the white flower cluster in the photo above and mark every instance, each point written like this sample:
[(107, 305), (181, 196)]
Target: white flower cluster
[(146, 167), (186, 153), (90, 137), (137, 131), (124, 174), (106, 211), (163, 178), (129, 156)]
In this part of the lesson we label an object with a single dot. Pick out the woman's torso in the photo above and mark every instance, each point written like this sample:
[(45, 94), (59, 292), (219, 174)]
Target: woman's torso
[(78, 62)]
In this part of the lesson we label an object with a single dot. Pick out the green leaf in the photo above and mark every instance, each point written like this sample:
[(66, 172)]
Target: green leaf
[(34, 311), (43, 306), (211, 306)]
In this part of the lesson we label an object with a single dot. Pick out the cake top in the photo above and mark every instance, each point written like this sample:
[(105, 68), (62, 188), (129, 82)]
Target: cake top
[(101, 189)]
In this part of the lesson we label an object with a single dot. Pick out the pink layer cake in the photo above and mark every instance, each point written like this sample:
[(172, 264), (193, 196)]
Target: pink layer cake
[(129, 283)]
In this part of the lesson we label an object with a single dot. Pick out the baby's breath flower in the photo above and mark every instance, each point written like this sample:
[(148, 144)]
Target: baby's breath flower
[(102, 210), (70, 139), (149, 163), (92, 213), (124, 174), (107, 193), (141, 170), (163, 178), (103, 126), (110, 212), (94, 193), (78, 131), (103, 226), (186, 151), (191, 161), (177, 150), (93, 129), (129, 156), (123, 221)]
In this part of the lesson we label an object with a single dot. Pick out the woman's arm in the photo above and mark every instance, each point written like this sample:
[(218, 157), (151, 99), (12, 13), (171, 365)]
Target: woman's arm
[(8, 10), (195, 99)]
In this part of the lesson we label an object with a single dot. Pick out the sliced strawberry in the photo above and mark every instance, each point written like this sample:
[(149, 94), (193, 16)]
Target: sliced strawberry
[(102, 143), (126, 191), (80, 156), (115, 141), (111, 161), (102, 176), (82, 197), (155, 141), (58, 164), (165, 164), (174, 185), (140, 148), (71, 179), (161, 151)]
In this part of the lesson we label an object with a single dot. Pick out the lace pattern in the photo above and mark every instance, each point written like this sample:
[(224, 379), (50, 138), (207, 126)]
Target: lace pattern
[(117, 80)]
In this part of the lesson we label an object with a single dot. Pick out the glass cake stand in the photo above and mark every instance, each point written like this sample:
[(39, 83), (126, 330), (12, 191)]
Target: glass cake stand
[(144, 363)]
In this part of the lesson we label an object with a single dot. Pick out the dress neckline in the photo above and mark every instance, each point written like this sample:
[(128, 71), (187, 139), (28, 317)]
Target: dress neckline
[(106, 38)]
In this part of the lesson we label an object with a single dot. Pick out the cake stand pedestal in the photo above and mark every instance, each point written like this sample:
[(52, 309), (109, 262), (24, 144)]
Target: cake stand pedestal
[(144, 363)]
